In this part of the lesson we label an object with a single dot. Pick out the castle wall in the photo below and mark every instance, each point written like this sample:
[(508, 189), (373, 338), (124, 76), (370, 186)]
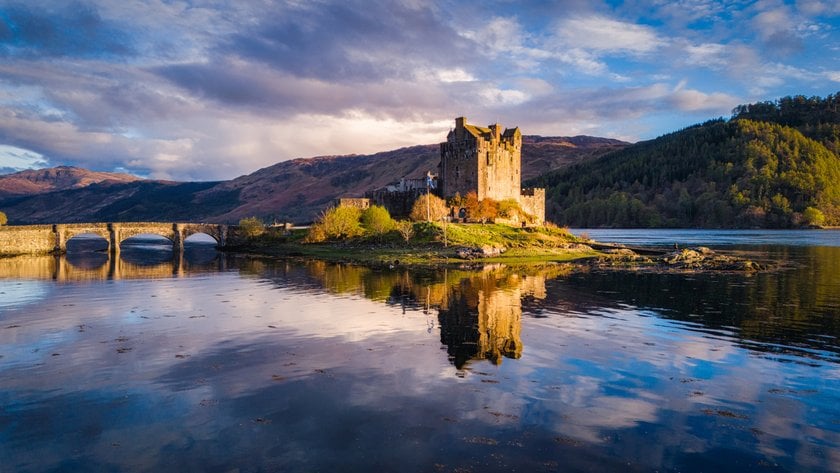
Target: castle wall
[(358, 202), (398, 203), (532, 201), (459, 164), (500, 169)]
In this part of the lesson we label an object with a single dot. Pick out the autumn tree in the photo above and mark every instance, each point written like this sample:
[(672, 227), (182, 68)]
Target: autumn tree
[(251, 227), (488, 209), (335, 223), (470, 202), (377, 221), (405, 229), (428, 207), (456, 200), (3, 219)]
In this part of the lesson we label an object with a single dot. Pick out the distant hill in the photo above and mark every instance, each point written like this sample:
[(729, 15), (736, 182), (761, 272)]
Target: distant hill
[(774, 164), (293, 190), (39, 181)]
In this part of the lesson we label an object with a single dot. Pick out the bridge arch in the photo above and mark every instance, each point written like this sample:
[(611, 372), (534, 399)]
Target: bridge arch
[(133, 232), (86, 241), (217, 232), (74, 231), (23, 239)]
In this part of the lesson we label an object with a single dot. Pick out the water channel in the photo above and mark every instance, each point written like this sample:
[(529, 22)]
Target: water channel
[(213, 362)]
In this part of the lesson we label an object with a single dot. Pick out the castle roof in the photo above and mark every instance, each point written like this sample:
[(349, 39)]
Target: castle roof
[(477, 131)]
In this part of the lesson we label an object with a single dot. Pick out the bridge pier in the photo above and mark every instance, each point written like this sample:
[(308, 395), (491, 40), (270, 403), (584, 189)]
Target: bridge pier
[(113, 238), (177, 239), (60, 239)]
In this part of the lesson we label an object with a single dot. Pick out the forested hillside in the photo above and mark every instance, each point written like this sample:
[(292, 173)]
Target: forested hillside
[(774, 164)]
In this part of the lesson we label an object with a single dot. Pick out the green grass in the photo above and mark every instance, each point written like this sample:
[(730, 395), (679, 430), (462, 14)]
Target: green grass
[(429, 245)]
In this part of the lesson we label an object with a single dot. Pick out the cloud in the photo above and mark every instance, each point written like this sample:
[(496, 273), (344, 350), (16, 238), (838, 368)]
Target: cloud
[(208, 91), (69, 30), (706, 54), (817, 7), (608, 36), (13, 159), (349, 41), (688, 100), (777, 27)]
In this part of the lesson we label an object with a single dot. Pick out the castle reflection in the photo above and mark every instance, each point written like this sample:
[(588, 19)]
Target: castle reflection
[(479, 312)]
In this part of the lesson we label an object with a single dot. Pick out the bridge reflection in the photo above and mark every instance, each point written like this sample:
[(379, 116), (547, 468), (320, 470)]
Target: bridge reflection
[(108, 266)]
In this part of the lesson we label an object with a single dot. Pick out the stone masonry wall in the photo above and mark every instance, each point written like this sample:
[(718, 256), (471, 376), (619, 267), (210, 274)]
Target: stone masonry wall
[(482, 160), (532, 202), (31, 239)]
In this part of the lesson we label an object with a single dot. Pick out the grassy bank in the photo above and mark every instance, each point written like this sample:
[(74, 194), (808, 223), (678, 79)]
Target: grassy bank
[(432, 243)]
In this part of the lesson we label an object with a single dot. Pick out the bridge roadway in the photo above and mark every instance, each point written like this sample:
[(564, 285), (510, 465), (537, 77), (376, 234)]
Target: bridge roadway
[(41, 239)]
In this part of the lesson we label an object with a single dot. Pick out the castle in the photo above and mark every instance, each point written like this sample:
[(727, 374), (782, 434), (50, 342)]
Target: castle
[(487, 161)]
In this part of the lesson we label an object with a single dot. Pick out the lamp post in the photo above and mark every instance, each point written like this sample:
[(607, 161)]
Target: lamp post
[(445, 239)]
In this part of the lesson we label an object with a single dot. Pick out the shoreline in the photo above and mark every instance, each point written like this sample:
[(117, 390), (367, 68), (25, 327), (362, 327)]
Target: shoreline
[(585, 255)]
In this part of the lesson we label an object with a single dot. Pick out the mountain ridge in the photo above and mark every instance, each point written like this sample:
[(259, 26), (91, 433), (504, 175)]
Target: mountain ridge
[(294, 190), (39, 181)]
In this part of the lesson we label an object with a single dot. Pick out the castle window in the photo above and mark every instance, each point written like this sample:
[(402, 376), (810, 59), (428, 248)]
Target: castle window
[(457, 172)]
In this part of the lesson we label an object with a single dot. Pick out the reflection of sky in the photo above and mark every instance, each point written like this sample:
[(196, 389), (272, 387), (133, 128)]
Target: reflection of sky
[(16, 293), (713, 237), (223, 371)]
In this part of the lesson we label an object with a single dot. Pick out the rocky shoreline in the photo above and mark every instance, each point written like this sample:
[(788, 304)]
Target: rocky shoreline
[(698, 258)]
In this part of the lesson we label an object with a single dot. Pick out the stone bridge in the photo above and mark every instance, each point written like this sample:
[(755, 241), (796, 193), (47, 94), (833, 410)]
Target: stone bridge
[(40, 239)]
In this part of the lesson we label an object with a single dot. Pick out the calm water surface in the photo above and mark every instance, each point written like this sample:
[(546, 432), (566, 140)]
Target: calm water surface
[(147, 362)]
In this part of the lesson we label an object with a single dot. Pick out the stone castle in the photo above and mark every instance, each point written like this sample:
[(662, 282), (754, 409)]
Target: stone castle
[(487, 161)]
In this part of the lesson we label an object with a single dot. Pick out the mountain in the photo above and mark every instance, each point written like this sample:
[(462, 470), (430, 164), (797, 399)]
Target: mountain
[(39, 181), (772, 165), (294, 190)]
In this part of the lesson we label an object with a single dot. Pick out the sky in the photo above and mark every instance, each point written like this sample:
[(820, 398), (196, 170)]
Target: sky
[(210, 90)]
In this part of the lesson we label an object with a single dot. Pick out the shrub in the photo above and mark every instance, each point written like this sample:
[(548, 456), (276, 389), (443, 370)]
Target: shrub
[(335, 223), (428, 206), (811, 215), (509, 208), (470, 203), (488, 209), (251, 227), (405, 229), (3, 219), (377, 221)]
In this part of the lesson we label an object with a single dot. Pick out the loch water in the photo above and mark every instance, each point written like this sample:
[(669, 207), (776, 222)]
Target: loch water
[(147, 361)]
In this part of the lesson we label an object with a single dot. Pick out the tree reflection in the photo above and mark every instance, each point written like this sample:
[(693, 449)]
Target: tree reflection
[(794, 309)]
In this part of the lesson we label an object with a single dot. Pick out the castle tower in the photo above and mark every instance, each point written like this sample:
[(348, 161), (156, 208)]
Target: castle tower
[(484, 160)]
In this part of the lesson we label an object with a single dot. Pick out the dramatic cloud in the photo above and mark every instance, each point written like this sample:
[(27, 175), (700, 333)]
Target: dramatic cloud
[(195, 90)]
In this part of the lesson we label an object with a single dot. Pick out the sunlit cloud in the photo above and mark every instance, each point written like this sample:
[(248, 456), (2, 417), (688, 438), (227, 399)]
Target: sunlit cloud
[(607, 35)]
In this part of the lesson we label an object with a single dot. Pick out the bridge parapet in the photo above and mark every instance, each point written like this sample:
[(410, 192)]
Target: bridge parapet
[(40, 239)]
